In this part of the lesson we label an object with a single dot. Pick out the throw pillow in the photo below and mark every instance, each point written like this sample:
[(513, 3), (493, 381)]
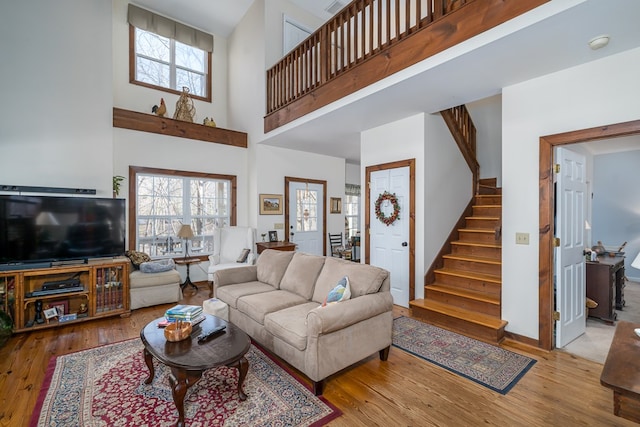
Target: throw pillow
[(157, 266), (137, 258), (243, 255), (341, 292)]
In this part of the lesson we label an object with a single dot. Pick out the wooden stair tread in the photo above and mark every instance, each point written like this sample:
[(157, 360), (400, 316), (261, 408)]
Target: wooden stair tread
[(466, 293), (460, 313), (490, 218), (484, 245), (478, 230), (483, 260), (487, 206), (470, 275)]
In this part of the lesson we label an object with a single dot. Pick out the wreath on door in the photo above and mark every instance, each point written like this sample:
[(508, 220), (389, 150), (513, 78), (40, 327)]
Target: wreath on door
[(387, 220)]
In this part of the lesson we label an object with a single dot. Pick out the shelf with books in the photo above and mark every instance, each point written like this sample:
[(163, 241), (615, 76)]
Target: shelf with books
[(49, 297)]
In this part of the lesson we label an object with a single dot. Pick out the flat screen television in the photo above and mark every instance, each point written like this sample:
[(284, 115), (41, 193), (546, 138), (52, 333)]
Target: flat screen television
[(41, 229)]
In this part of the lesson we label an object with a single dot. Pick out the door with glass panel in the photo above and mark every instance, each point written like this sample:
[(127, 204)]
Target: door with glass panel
[(306, 216)]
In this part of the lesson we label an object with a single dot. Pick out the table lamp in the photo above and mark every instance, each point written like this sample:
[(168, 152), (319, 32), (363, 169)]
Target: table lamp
[(185, 233)]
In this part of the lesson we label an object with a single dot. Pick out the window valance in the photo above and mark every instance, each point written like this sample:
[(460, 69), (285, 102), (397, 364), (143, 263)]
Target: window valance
[(152, 22), (352, 189)]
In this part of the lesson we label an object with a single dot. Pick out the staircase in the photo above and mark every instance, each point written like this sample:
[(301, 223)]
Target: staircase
[(465, 296)]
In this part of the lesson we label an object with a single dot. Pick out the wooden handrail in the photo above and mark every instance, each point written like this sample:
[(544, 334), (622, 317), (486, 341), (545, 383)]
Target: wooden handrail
[(463, 131), (361, 30)]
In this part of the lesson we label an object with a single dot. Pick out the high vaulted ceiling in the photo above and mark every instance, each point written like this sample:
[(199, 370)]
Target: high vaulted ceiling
[(548, 39)]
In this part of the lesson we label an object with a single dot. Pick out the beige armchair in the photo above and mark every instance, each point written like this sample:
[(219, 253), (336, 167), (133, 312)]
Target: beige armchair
[(230, 245)]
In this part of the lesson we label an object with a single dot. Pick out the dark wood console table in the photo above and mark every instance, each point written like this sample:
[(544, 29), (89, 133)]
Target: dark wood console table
[(605, 285), (621, 371), (279, 246)]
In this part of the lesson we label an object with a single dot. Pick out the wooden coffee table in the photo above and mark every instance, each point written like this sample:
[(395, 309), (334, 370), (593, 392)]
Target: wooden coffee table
[(188, 359)]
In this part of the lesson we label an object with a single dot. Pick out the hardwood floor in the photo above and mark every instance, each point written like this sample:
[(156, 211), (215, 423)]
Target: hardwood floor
[(560, 389)]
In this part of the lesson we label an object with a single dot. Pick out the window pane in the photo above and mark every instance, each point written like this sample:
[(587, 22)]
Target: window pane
[(152, 72), (306, 210), (190, 57), (162, 207), (153, 46), (195, 82)]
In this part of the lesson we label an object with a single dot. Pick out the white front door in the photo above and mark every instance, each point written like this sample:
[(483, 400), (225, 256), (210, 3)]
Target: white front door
[(571, 205), (389, 244), (306, 217)]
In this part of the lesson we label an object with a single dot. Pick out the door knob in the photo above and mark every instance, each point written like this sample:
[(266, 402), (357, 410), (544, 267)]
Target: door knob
[(404, 243)]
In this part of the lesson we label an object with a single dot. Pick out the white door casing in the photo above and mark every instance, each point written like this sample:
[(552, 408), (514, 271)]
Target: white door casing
[(389, 245), (306, 217), (571, 206)]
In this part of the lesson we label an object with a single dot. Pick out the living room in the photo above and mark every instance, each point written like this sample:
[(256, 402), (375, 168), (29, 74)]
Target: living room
[(68, 73)]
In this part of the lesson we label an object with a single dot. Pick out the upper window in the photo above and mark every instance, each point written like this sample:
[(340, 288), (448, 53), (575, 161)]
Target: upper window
[(165, 200), (169, 56)]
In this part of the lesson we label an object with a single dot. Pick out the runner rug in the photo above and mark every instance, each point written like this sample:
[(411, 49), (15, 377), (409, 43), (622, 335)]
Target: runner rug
[(104, 386), (488, 365)]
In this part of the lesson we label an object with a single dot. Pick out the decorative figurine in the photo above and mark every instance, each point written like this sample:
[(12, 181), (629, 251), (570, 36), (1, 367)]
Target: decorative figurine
[(185, 109), (161, 110)]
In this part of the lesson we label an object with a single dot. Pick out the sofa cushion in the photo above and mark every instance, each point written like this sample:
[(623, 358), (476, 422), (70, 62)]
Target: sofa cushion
[(341, 292), (138, 279), (301, 274), (137, 258), (158, 266), (289, 324), (363, 278), (257, 306), (231, 293), (272, 265)]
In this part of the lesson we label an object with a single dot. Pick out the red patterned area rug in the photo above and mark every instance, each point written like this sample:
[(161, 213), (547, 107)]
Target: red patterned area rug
[(486, 364), (104, 386)]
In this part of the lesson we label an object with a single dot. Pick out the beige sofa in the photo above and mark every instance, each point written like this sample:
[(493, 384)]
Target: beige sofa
[(278, 302)]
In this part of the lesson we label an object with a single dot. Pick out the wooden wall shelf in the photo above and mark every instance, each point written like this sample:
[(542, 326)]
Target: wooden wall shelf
[(143, 122)]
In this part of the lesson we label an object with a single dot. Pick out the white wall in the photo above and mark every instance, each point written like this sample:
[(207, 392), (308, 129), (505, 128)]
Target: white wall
[(55, 115), (352, 174), (487, 118), (441, 177), (599, 93), (274, 21), (616, 204)]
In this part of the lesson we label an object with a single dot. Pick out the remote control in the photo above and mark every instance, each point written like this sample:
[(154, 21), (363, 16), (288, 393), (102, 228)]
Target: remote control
[(207, 335)]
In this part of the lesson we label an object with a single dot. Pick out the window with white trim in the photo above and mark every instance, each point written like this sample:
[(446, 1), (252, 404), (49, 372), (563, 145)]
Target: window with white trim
[(164, 202)]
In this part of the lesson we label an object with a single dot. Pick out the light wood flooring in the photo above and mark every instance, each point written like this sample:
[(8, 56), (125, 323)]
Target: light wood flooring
[(559, 390)]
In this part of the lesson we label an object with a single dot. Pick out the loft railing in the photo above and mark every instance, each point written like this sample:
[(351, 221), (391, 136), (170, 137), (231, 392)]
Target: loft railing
[(363, 29)]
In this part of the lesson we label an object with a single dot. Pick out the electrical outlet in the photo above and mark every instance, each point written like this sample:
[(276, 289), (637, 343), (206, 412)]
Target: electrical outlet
[(522, 238), (278, 226)]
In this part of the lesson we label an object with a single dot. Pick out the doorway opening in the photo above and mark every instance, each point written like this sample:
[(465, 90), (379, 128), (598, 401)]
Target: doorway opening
[(305, 200), (546, 212)]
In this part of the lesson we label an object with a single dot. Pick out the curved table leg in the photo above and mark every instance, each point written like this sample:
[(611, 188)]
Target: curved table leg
[(180, 381), (243, 367), (148, 359)]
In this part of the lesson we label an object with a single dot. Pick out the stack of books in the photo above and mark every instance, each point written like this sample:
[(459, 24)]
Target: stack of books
[(186, 313)]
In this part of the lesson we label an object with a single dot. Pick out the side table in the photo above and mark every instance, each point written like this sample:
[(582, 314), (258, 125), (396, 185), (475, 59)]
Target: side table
[(279, 246), (187, 262)]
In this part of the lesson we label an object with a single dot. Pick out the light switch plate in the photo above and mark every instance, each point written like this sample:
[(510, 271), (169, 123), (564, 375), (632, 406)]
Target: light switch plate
[(522, 238)]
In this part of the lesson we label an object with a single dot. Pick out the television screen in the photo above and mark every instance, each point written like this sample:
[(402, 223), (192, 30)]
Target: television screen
[(43, 228)]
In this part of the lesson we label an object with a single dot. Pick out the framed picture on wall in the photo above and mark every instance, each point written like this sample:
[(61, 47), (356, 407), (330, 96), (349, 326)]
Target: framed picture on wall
[(270, 204), (335, 205)]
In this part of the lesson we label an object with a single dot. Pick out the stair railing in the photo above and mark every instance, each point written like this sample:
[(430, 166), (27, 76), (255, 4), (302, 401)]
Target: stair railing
[(361, 30), (463, 131)]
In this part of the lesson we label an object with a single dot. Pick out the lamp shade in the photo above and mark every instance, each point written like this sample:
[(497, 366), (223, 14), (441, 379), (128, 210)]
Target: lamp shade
[(636, 262), (185, 232)]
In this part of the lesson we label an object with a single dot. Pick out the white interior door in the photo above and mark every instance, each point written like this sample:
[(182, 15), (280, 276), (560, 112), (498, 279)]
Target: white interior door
[(306, 217), (389, 244), (571, 205)]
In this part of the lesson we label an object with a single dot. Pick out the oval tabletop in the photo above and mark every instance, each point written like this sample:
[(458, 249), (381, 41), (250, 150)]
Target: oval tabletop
[(188, 354)]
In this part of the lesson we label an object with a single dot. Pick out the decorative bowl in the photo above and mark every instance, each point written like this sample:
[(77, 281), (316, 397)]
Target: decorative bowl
[(177, 331)]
